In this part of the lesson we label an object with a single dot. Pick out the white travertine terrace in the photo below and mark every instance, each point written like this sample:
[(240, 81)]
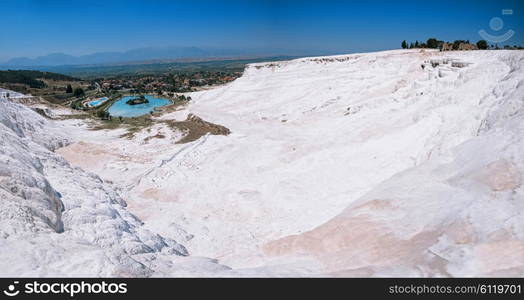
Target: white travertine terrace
[(351, 165)]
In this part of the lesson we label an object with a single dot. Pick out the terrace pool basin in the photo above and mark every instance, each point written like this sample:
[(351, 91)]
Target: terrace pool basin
[(121, 109), (97, 102)]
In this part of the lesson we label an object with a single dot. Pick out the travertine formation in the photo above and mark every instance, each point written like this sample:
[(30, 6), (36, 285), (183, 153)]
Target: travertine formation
[(350, 165)]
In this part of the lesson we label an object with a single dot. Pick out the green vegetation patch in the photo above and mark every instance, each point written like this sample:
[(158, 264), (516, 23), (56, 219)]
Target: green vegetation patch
[(32, 78)]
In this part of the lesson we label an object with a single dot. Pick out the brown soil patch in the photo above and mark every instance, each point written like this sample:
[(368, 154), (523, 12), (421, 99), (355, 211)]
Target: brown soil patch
[(157, 136), (195, 127)]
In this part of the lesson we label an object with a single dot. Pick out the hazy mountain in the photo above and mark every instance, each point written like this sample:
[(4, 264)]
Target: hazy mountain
[(149, 53), (48, 60)]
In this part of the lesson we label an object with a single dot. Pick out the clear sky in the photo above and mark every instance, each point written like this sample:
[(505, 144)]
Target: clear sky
[(40, 27)]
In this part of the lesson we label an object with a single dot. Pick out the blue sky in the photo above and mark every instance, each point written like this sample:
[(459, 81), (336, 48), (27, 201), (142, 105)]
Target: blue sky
[(40, 27)]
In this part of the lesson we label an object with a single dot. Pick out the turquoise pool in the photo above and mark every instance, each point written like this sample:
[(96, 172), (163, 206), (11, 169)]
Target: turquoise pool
[(97, 101), (122, 109)]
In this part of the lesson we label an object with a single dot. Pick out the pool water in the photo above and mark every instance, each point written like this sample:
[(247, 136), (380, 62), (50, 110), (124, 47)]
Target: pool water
[(97, 101), (121, 109)]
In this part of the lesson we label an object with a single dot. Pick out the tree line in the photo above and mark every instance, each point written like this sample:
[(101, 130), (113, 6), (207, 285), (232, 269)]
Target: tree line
[(32, 78), (433, 43)]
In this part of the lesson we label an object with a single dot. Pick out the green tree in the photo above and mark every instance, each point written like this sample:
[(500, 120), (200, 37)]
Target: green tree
[(78, 92), (417, 45), (404, 44), (104, 115), (432, 43), (69, 89), (456, 44), (482, 44)]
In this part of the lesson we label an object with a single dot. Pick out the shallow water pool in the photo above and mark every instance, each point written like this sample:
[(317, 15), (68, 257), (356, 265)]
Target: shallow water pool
[(97, 102), (121, 109)]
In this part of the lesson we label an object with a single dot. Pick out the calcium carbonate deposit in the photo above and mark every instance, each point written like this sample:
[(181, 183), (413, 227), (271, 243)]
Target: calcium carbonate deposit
[(394, 163)]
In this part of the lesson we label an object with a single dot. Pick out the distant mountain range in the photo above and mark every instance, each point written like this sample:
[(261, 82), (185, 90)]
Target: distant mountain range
[(145, 54)]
